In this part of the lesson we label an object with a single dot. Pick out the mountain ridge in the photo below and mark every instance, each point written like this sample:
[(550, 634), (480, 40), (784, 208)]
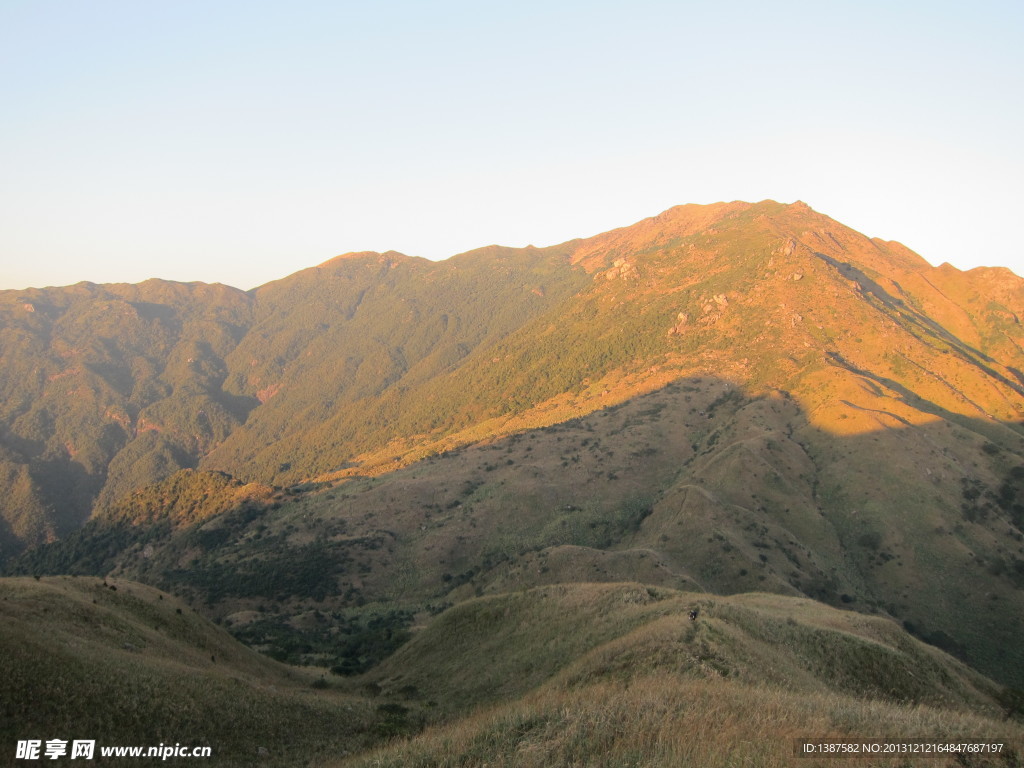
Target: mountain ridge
[(849, 423), (285, 297)]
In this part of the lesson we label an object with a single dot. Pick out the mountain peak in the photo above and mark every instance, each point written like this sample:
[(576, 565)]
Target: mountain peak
[(364, 255)]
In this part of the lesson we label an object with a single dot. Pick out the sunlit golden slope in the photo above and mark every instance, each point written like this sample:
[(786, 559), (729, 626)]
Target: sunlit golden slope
[(370, 358)]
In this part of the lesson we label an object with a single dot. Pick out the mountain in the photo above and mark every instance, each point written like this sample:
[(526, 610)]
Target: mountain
[(369, 356), (107, 388), (728, 398)]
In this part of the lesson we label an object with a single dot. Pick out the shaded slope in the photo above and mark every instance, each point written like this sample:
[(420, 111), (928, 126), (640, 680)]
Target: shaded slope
[(700, 486), (123, 664), (107, 388)]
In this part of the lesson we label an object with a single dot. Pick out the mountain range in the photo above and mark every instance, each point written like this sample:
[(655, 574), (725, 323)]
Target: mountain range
[(720, 400)]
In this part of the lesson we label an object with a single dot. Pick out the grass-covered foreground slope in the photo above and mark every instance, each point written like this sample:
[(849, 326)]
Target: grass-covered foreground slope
[(669, 721), (619, 675), (608, 674), (500, 647), (127, 665)]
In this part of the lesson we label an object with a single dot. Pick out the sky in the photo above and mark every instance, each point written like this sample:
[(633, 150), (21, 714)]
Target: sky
[(239, 142)]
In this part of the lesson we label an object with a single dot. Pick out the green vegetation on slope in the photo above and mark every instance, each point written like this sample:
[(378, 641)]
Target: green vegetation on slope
[(105, 389)]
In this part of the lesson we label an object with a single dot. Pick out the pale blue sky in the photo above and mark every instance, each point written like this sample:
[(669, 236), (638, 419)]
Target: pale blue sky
[(238, 142)]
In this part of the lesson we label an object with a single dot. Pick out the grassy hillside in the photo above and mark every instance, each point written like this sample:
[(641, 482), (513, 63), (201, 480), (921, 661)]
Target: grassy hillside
[(618, 674), (668, 721), (599, 674), (350, 355), (500, 647), (126, 665)]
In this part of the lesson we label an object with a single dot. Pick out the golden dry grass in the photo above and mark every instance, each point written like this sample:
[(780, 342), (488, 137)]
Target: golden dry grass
[(669, 721)]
